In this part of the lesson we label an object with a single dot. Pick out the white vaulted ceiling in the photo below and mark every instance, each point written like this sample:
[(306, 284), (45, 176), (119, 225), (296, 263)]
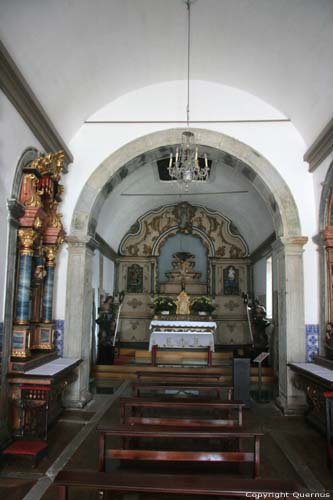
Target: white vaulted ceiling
[(247, 210), (79, 55)]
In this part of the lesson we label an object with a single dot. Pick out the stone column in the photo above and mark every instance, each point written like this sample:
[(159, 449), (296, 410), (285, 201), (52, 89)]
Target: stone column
[(77, 335), (50, 254), (15, 211), (288, 262)]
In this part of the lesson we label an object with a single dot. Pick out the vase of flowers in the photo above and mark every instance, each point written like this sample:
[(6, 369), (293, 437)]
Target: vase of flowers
[(202, 306), (164, 305)]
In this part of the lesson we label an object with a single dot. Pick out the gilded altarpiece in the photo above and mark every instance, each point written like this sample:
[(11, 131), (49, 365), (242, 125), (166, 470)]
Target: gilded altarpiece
[(226, 254), (40, 235)]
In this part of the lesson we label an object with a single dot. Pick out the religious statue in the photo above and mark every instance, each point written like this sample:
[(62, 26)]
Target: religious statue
[(329, 340), (183, 269), (107, 324), (183, 303), (259, 323)]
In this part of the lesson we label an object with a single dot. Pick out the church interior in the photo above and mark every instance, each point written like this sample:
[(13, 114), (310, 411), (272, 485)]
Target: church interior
[(166, 277)]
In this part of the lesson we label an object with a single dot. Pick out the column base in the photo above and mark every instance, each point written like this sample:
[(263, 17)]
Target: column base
[(291, 407), (77, 403)]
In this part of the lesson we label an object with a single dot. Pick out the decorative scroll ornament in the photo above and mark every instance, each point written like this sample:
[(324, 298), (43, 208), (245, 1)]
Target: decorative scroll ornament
[(152, 229), (50, 254)]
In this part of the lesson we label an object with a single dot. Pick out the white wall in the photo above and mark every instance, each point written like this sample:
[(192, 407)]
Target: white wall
[(15, 138), (108, 276), (259, 280), (279, 142)]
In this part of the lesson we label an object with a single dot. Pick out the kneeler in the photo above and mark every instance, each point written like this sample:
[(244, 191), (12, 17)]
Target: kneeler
[(33, 444), (329, 430)]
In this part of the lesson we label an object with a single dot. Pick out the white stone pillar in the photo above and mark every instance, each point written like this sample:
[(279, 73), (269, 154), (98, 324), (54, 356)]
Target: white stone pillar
[(289, 283), (77, 335)]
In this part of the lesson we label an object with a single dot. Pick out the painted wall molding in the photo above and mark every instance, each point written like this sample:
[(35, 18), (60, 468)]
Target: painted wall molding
[(321, 147), (15, 87)]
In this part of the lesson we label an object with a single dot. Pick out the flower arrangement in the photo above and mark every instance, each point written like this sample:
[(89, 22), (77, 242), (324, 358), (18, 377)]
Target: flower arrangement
[(164, 304), (202, 304)]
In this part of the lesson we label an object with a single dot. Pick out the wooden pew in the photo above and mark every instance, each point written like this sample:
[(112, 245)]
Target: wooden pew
[(179, 404), (125, 432), (184, 381), (213, 485)]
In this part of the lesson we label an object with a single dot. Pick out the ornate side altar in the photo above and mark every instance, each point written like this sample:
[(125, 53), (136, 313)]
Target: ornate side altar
[(34, 374), (314, 379)]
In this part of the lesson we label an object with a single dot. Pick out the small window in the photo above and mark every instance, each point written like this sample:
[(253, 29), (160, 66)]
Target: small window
[(269, 288)]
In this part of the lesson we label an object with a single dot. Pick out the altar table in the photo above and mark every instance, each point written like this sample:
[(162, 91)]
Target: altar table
[(181, 334)]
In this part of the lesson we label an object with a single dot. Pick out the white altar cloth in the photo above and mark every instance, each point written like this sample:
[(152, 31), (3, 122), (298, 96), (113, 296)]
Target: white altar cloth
[(181, 324), (181, 340)]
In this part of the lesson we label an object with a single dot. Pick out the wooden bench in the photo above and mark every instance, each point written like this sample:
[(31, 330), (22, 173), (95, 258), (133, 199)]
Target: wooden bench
[(182, 381), (212, 485), (175, 434), (132, 404)]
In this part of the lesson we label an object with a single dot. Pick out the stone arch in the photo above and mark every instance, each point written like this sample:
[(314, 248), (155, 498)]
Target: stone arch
[(261, 173), (287, 251)]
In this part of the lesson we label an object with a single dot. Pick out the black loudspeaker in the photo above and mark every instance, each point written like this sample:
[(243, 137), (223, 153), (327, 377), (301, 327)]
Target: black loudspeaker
[(241, 380)]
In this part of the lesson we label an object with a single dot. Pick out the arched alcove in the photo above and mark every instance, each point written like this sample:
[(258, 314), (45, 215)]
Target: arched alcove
[(287, 251)]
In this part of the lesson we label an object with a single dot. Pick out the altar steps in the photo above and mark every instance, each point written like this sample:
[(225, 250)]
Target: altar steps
[(183, 357), (105, 372)]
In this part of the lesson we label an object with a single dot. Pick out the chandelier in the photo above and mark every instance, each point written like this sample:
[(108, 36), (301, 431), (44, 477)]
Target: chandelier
[(186, 167)]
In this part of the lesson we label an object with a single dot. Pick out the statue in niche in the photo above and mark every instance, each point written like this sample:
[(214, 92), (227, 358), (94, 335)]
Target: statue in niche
[(230, 281), (183, 269), (107, 324), (135, 279), (183, 303)]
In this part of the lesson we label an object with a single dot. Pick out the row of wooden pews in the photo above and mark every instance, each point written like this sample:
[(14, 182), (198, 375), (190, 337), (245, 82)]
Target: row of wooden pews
[(171, 445)]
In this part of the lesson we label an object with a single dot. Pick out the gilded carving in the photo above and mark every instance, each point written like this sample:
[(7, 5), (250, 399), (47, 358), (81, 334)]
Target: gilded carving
[(152, 229), (183, 303), (51, 164), (27, 238), (31, 194), (50, 254)]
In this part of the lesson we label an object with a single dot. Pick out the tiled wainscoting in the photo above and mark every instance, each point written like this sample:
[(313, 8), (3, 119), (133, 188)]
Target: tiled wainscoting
[(59, 336), (311, 341)]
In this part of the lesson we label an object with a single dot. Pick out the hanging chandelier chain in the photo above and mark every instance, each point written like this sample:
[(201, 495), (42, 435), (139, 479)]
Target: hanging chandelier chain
[(188, 3), (185, 167)]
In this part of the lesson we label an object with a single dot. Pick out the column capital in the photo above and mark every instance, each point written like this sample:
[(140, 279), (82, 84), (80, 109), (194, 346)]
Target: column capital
[(292, 244), (27, 238), (81, 242)]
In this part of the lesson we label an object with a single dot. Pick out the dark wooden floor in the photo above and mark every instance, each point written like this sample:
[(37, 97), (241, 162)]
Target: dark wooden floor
[(290, 450)]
